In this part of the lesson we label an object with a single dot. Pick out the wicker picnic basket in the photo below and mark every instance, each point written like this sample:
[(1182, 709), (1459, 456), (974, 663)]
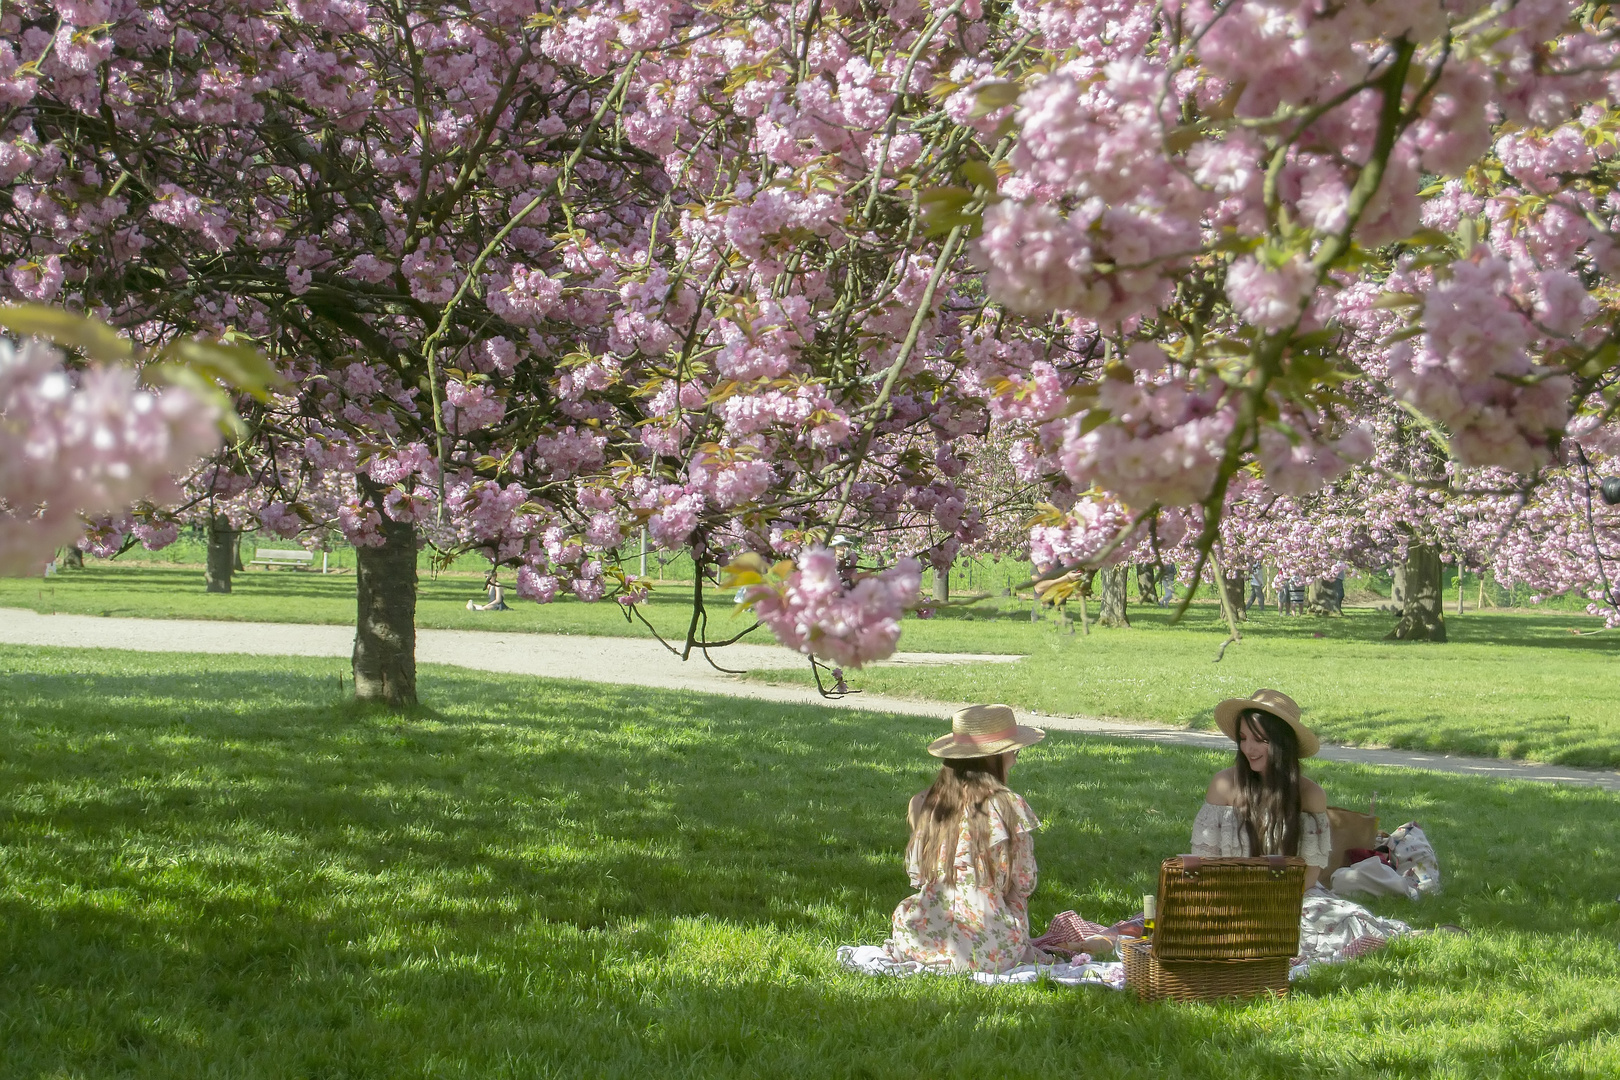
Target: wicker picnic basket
[(1225, 928)]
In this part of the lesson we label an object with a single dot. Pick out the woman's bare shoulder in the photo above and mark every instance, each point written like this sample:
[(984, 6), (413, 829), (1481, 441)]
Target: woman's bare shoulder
[(1312, 799), (1223, 789)]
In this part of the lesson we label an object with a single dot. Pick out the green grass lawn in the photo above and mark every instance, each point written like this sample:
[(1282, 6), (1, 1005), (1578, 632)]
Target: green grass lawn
[(212, 866), (176, 592), (1512, 684), (1508, 684)]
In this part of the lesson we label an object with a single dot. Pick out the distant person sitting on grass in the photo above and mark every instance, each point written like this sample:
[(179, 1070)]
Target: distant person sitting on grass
[(971, 853), (497, 600)]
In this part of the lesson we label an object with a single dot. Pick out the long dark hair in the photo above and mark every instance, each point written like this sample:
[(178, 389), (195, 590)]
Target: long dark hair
[(1269, 805), (965, 787)]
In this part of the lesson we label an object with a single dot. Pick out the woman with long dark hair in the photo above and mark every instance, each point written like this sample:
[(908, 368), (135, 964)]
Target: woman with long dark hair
[(971, 856), (1262, 805)]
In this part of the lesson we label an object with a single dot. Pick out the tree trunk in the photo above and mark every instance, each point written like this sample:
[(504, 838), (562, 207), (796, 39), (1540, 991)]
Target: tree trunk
[(74, 558), (942, 584), (1322, 598), (1114, 583), (1397, 586), (221, 554), (1423, 617), (1147, 584), (236, 552), (1233, 585), (385, 627)]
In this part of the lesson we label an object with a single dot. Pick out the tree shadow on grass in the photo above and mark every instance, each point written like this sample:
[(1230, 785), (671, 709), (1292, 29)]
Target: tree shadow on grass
[(212, 860)]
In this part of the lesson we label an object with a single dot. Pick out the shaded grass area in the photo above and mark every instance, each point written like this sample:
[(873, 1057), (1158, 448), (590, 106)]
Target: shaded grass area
[(210, 865)]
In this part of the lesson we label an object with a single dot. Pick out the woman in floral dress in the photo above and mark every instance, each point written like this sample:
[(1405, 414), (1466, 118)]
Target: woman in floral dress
[(971, 855)]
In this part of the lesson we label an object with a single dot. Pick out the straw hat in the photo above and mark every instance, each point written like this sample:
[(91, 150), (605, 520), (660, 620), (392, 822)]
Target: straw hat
[(1276, 703), (983, 731)]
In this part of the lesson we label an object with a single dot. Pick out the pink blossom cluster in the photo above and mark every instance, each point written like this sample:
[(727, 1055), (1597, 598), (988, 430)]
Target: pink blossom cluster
[(1090, 526), (567, 453), (732, 482), (844, 622), (1165, 443), (470, 406), (84, 442), (1472, 371)]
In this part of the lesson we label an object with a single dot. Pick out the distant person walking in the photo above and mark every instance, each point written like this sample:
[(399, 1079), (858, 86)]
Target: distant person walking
[(1169, 585), (1285, 595)]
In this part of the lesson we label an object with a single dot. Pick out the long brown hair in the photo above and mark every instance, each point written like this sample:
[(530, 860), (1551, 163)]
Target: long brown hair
[(965, 787), (1268, 805)]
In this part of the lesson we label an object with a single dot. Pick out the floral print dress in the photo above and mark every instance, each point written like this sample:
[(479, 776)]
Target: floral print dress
[(973, 925)]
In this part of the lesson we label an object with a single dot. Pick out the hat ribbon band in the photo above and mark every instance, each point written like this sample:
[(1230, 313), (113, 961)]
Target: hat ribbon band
[(994, 736)]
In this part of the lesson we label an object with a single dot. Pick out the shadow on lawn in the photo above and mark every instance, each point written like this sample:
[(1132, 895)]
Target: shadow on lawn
[(218, 850)]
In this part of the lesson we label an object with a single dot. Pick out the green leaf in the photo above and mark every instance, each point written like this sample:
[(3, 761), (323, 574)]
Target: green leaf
[(206, 389), (237, 366), (979, 174), (1316, 339), (1094, 419), (993, 96), (88, 335)]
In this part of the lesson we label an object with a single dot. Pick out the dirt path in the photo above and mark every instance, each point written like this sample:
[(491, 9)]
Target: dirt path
[(640, 662)]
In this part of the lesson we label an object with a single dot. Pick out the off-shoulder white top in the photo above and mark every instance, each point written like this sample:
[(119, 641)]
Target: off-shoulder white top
[(1218, 833)]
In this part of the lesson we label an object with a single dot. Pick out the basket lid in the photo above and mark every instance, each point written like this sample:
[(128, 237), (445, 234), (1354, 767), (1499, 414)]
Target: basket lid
[(1228, 909)]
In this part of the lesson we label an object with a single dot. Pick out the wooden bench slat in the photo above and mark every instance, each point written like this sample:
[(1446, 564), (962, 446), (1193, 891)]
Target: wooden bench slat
[(282, 557)]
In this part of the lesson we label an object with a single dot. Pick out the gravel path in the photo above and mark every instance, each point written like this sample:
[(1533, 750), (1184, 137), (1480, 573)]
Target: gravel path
[(642, 662)]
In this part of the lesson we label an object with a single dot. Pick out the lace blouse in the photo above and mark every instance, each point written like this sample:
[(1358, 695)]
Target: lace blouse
[(1218, 833)]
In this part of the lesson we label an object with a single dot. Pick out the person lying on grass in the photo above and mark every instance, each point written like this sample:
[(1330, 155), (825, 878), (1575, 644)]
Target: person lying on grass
[(1262, 805), (971, 855)]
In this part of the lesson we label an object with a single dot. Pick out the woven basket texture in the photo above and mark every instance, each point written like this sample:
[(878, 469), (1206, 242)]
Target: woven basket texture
[(1152, 979), (1228, 909)]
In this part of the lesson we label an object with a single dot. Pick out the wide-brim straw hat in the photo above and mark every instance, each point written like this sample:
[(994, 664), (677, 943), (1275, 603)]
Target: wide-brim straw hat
[(1276, 703), (984, 731)]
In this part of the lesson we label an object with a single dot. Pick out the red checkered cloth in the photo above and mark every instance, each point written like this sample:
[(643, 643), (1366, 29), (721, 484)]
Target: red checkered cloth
[(1363, 945), (1066, 928)]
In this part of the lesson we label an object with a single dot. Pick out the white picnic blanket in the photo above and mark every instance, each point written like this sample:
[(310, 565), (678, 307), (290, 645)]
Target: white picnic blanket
[(872, 960), (1333, 930)]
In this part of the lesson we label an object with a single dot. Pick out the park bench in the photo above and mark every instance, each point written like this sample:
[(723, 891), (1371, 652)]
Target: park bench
[(289, 557)]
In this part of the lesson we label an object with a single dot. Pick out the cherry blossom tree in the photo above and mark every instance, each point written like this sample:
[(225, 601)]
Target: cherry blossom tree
[(535, 277), (765, 280), (1287, 220)]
